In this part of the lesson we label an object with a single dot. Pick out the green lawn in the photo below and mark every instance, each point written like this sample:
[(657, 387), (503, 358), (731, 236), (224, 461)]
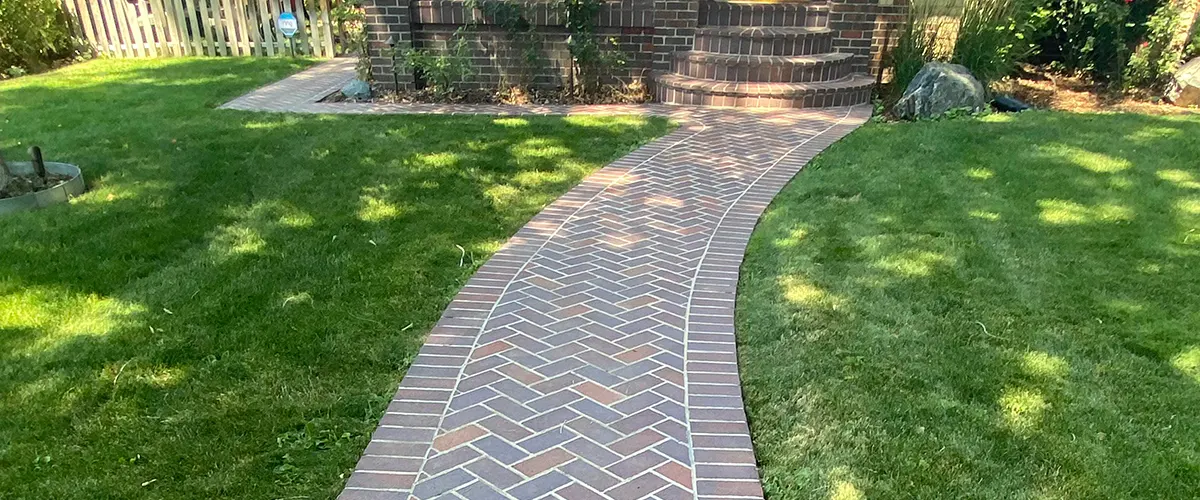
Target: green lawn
[(227, 311), (1006, 307)]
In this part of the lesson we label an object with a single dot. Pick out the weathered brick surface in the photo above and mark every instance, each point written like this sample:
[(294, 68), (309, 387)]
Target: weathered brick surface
[(745, 68), (861, 27), (777, 55), (497, 62), (675, 23), (389, 28), (654, 35), (764, 41), (593, 356)]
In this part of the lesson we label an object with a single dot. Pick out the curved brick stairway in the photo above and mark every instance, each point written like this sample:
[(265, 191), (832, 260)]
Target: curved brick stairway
[(763, 55)]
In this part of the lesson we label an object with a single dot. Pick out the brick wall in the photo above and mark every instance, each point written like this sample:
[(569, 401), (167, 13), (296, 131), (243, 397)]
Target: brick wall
[(498, 61), (649, 32), (862, 27), (674, 29), (387, 21)]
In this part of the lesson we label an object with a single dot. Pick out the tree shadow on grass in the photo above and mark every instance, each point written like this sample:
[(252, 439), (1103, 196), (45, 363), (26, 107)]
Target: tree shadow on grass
[(1002, 308), (229, 308)]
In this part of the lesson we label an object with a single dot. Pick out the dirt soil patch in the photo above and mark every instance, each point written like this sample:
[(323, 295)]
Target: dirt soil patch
[(24, 184), (1048, 90)]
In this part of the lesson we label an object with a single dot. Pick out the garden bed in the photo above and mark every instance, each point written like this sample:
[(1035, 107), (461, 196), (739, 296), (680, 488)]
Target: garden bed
[(1046, 89), (26, 190), (608, 94)]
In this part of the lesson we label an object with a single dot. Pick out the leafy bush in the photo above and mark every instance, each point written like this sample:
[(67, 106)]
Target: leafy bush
[(990, 37), (1090, 36), (33, 34), (442, 71), (1155, 60), (591, 58)]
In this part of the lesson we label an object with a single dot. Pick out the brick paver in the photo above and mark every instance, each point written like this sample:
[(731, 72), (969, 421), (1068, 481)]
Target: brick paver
[(593, 356)]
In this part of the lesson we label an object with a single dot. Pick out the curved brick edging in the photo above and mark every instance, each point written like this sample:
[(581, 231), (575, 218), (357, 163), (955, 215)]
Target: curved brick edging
[(593, 356)]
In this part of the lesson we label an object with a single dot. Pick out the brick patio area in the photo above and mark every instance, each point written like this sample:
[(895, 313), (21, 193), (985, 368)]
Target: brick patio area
[(593, 356)]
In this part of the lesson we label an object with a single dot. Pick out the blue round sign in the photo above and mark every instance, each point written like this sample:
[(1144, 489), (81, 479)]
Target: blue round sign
[(287, 24)]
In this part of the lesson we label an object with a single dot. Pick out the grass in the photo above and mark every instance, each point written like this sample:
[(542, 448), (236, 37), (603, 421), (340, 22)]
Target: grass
[(227, 311), (1005, 307)]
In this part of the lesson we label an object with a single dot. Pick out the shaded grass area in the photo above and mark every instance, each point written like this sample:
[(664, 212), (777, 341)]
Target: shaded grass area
[(1006, 307), (228, 310)]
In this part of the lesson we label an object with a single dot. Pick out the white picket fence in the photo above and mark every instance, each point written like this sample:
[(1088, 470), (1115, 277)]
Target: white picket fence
[(160, 28)]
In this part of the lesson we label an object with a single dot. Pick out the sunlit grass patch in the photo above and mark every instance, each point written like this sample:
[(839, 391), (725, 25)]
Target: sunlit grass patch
[(995, 308), (227, 312)]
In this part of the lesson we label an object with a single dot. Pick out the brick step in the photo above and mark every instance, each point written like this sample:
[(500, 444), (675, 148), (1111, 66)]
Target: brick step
[(744, 68), (764, 41), (671, 88), (726, 13)]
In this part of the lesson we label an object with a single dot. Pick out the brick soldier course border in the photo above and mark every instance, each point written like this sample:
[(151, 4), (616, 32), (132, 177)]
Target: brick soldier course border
[(593, 355)]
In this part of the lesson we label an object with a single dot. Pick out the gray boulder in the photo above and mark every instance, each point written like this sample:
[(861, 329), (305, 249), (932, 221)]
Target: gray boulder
[(938, 88), (1185, 85), (357, 89)]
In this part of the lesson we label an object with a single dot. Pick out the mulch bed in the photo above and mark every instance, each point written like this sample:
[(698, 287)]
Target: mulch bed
[(1048, 90), (22, 184), (512, 95)]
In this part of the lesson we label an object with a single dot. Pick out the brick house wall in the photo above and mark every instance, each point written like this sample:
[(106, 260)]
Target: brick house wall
[(862, 27), (649, 32)]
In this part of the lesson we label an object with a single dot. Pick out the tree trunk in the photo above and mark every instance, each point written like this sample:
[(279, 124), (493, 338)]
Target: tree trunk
[(1189, 15), (6, 175)]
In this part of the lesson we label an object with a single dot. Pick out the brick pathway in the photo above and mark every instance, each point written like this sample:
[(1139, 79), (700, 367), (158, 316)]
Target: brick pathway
[(593, 356)]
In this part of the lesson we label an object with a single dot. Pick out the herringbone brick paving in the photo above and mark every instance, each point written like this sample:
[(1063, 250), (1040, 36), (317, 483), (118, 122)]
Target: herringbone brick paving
[(593, 356)]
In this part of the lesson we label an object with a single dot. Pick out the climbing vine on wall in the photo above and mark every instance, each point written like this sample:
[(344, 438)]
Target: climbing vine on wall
[(513, 17), (590, 58)]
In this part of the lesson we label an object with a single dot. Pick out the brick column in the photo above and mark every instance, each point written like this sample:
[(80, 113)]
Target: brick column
[(674, 29), (388, 19), (861, 27)]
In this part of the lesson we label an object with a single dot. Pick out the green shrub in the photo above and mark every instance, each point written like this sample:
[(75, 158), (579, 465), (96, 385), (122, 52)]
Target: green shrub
[(1155, 59), (1095, 37), (442, 71), (990, 37), (33, 34), (592, 57)]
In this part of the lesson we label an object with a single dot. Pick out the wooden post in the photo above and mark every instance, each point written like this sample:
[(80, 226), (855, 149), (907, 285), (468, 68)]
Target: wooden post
[(39, 166)]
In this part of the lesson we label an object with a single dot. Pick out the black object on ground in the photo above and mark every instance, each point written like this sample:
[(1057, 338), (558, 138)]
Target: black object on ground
[(1008, 104)]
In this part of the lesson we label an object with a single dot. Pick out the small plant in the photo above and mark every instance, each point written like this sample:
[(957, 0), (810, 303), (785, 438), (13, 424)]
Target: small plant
[(1153, 62), (590, 59), (442, 71)]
